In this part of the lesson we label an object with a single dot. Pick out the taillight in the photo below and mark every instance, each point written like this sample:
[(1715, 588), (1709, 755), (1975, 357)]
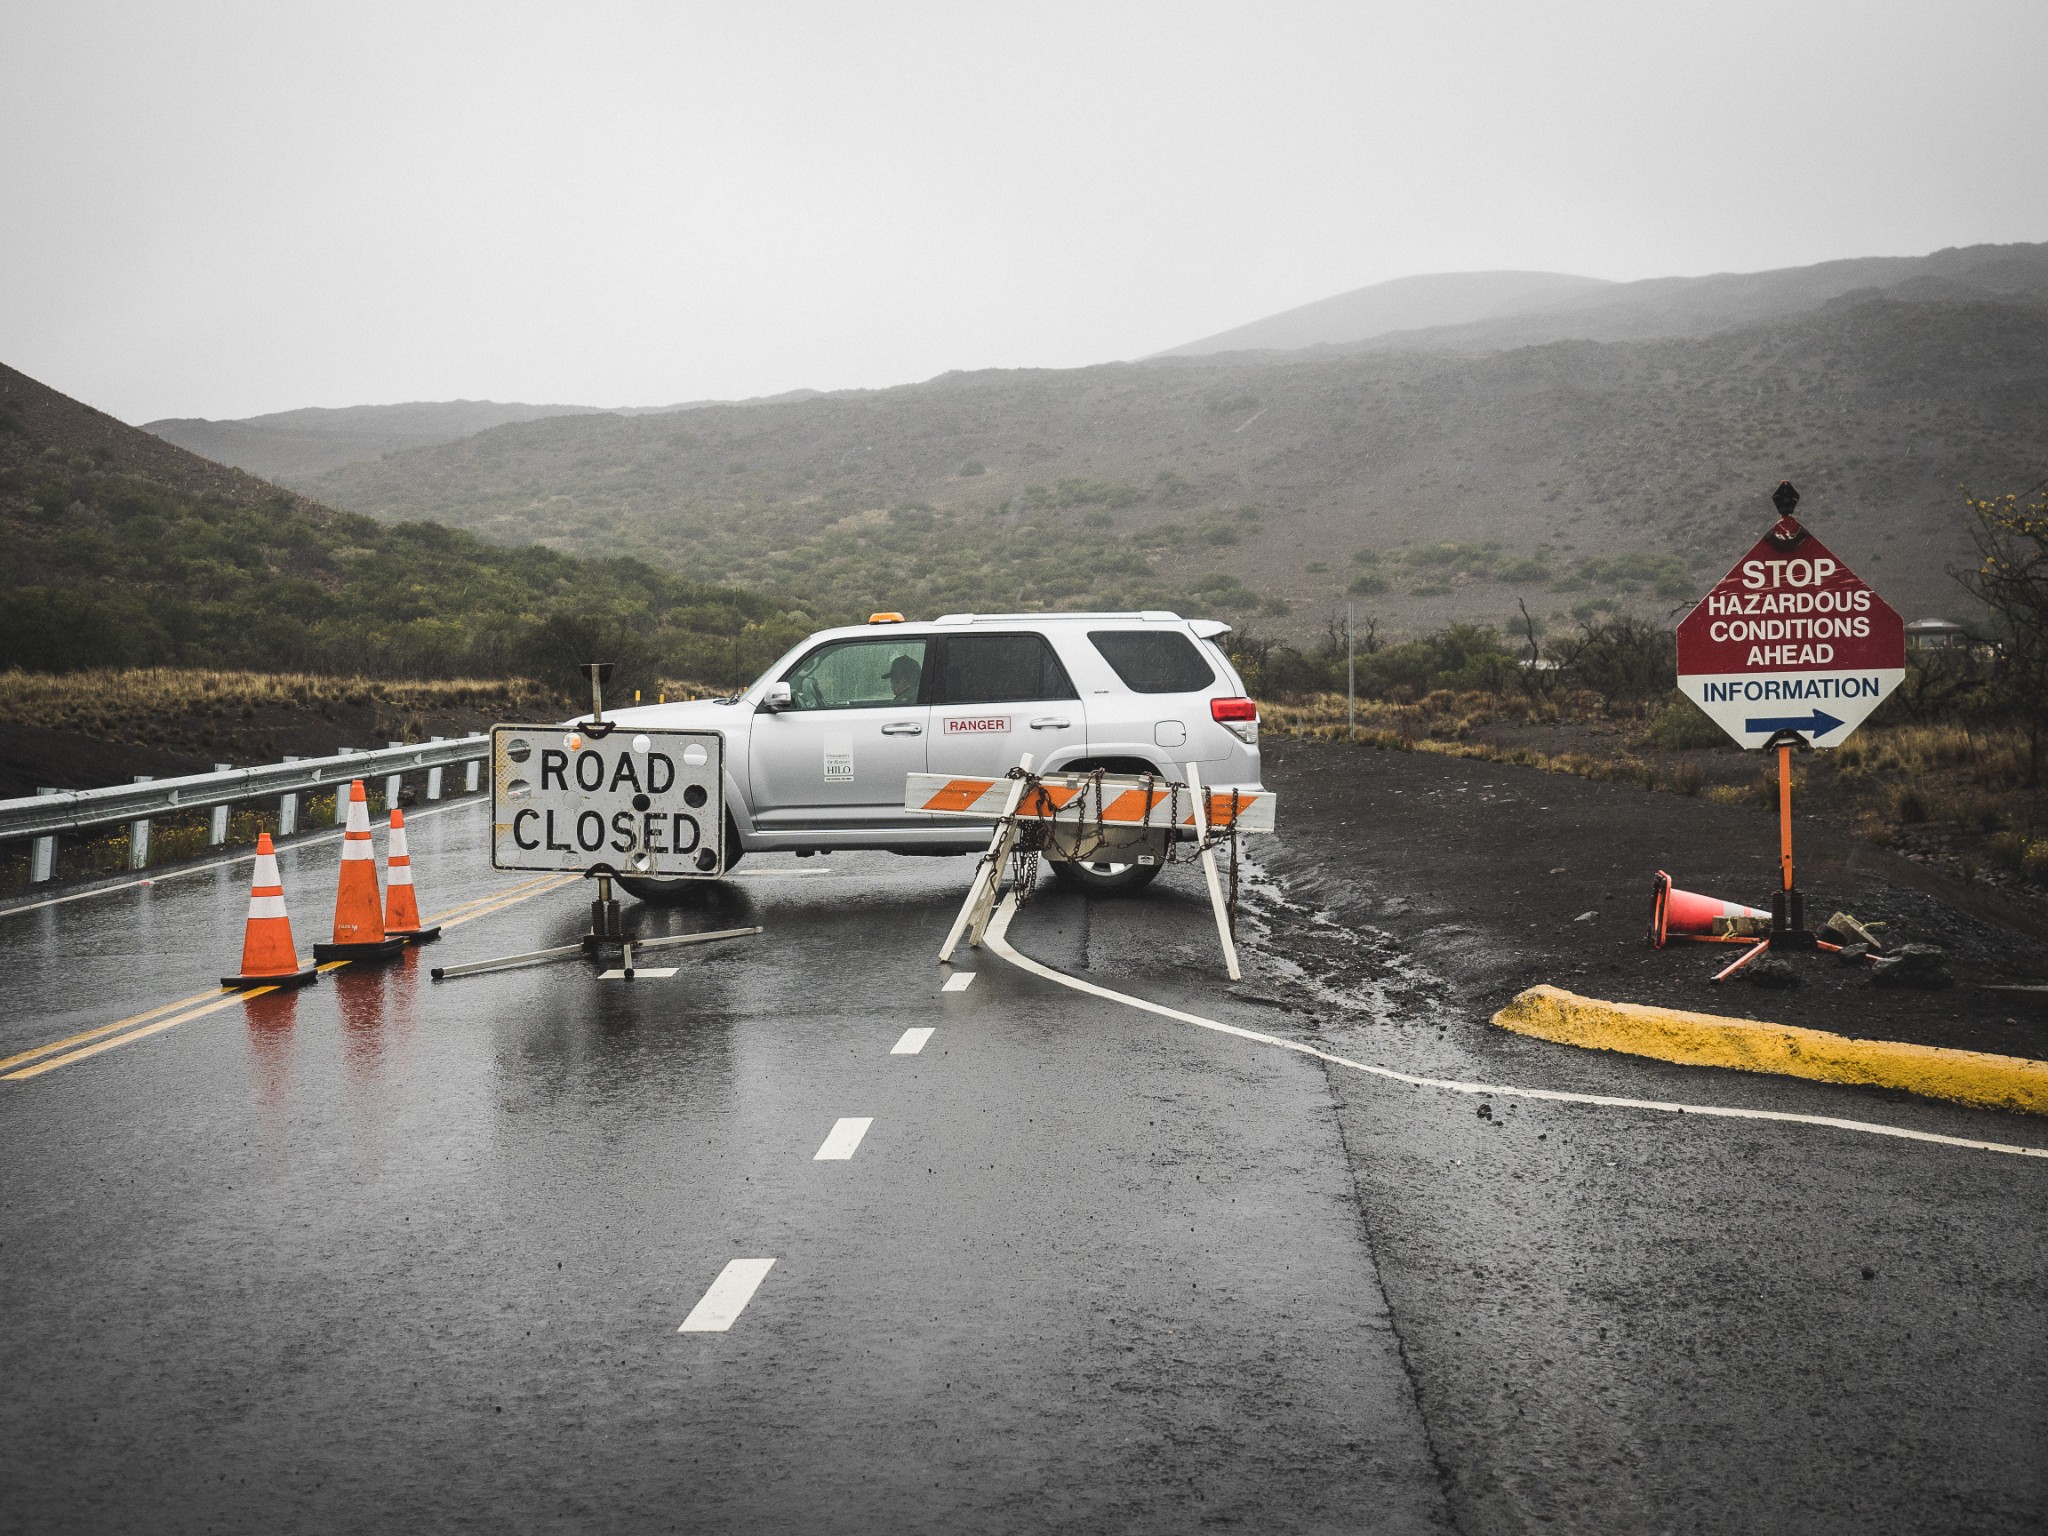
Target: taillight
[(1233, 709)]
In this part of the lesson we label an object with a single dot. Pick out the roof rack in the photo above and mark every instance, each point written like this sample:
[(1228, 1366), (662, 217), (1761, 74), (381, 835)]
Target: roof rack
[(1150, 615)]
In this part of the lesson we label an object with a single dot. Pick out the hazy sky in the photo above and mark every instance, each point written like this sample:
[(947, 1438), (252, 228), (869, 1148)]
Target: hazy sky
[(217, 210)]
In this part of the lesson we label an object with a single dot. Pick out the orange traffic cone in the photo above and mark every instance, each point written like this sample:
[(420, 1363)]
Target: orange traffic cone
[(269, 958), (401, 905), (358, 912), (1677, 914)]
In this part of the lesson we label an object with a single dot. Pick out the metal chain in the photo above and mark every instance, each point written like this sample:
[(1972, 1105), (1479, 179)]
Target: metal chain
[(1232, 906)]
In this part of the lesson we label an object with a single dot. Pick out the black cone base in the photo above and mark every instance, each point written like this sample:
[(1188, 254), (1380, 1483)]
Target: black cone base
[(289, 979), (415, 935), (380, 951)]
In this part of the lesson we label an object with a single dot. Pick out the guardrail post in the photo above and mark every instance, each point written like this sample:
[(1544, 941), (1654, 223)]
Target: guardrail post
[(469, 776), (42, 859), (288, 809), (217, 833), (392, 785), (434, 775), (341, 790), (138, 834)]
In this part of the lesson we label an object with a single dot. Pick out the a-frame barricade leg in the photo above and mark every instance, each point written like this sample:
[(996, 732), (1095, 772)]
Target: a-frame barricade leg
[(1209, 872), (980, 904)]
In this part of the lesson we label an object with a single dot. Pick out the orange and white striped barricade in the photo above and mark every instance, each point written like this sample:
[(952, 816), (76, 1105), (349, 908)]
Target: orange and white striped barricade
[(1120, 817)]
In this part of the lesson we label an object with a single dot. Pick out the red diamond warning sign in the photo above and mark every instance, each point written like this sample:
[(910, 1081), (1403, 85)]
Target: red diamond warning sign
[(1791, 640)]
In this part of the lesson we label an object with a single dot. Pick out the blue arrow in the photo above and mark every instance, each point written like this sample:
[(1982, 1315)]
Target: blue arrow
[(1817, 724)]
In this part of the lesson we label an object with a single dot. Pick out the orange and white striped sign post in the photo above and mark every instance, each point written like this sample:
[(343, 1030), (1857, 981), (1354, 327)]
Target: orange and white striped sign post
[(1088, 816)]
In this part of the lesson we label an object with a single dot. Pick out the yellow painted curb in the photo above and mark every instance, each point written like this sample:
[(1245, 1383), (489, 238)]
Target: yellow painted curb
[(1703, 1040)]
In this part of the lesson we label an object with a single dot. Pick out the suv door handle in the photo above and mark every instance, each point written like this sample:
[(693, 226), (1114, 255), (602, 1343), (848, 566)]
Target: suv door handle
[(1051, 723), (902, 728)]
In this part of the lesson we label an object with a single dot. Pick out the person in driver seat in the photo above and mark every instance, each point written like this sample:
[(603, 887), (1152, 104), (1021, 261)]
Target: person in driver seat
[(904, 676)]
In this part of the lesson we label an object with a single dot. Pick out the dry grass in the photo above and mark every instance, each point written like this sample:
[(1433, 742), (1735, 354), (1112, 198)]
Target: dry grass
[(1953, 793), (92, 702), (1442, 715), (675, 691), (1993, 756)]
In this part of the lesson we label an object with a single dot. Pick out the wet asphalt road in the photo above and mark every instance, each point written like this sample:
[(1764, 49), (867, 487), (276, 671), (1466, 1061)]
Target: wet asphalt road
[(397, 1254)]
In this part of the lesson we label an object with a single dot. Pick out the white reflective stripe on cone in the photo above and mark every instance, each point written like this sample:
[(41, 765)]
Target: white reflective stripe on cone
[(398, 874), (353, 847), (266, 871), (266, 906)]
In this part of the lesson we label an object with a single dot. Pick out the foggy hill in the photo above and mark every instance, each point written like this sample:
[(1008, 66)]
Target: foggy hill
[(290, 446), (1620, 472), (120, 549), (1699, 306), (294, 444), (1405, 304), (1490, 311)]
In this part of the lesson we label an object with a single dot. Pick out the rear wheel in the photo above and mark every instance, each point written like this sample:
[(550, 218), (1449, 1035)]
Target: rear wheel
[(1102, 877)]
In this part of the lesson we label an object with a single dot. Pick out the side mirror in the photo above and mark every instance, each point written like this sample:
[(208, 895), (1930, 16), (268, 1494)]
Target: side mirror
[(774, 699)]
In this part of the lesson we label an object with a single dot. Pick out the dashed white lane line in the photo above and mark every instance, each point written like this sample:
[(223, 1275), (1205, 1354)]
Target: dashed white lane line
[(845, 1137), (728, 1296), (912, 1042), (998, 939), (640, 973), (959, 981)]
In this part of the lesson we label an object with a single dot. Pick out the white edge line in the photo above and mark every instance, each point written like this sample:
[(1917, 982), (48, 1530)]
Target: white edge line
[(997, 938), (721, 1306), (912, 1042)]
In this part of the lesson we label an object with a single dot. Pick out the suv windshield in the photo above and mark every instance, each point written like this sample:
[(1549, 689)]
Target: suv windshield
[(858, 674), (1153, 660)]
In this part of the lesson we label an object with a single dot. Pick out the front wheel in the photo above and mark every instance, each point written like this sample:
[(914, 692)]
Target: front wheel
[(660, 892), (1101, 877)]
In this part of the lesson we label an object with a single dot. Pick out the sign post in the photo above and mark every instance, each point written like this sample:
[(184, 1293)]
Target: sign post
[(1790, 649), (596, 799)]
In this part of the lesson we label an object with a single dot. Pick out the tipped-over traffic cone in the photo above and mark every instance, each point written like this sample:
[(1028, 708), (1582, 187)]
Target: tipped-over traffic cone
[(358, 910), (1677, 914), (269, 958), (401, 905)]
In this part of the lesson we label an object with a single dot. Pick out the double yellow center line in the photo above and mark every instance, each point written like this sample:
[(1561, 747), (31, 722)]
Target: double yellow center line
[(139, 1026)]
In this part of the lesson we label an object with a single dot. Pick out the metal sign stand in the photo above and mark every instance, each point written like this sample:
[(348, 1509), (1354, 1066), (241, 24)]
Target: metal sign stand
[(1791, 649), (607, 932), (980, 903), (1788, 907)]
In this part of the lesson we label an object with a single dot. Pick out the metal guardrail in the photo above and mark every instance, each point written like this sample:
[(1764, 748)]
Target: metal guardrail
[(73, 810)]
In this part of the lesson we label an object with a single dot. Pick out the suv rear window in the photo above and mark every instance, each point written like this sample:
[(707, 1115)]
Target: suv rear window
[(1153, 660), (999, 669)]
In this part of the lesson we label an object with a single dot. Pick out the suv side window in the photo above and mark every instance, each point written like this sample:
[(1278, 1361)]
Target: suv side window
[(1153, 660), (999, 669), (859, 674)]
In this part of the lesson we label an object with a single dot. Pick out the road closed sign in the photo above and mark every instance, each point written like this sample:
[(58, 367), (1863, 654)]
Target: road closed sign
[(1791, 640), (621, 801)]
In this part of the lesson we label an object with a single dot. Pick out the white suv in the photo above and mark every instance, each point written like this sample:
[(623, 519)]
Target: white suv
[(817, 749)]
